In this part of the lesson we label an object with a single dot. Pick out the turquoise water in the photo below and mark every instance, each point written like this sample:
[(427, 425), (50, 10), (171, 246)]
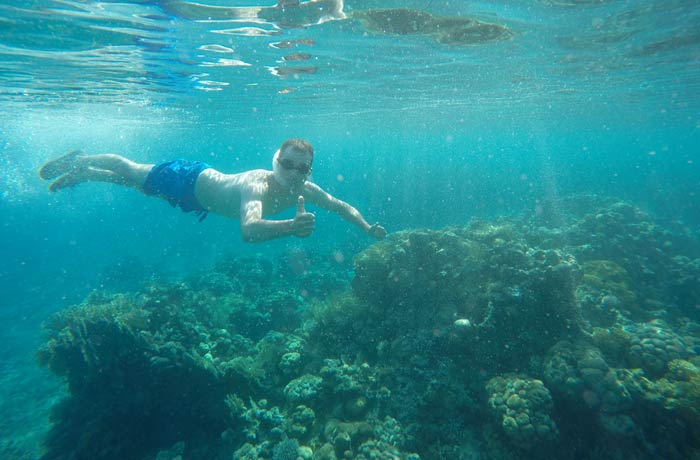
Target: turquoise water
[(580, 98)]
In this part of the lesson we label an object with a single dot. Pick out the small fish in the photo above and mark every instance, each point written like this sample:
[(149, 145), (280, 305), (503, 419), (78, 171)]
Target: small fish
[(286, 90)]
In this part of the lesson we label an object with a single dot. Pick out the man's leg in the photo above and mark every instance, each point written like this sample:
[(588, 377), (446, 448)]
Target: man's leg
[(76, 167)]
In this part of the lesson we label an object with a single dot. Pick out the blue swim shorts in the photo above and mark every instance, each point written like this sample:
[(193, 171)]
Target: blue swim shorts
[(174, 181)]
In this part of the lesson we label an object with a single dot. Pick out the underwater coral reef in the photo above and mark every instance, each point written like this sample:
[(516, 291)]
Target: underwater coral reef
[(571, 333)]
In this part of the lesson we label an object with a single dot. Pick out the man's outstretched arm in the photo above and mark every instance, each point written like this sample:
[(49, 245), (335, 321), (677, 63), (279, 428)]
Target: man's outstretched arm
[(320, 197), (255, 229)]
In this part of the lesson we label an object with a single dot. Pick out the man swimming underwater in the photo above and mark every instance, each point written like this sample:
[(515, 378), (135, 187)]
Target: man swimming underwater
[(194, 186)]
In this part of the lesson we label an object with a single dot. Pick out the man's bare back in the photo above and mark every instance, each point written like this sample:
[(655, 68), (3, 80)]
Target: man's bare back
[(194, 186), (223, 194)]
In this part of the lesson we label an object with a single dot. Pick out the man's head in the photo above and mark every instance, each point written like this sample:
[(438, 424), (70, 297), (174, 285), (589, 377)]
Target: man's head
[(292, 162)]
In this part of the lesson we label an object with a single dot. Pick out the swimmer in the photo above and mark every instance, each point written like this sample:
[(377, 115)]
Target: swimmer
[(196, 187), (286, 13)]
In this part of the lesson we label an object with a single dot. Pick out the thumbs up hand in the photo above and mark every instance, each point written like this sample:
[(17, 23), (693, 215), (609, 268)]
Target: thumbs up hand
[(300, 205), (304, 222)]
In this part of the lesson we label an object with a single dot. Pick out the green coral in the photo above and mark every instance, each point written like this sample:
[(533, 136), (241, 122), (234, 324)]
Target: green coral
[(609, 278), (401, 361), (379, 450), (681, 389), (653, 345), (301, 420), (306, 389), (344, 436), (290, 363), (579, 373), (604, 292), (516, 297), (247, 452), (613, 342), (127, 363), (523, 407), (339, 324), (348, 379)]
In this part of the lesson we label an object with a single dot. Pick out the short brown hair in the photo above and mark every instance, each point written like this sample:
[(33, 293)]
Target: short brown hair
[(297, 144)]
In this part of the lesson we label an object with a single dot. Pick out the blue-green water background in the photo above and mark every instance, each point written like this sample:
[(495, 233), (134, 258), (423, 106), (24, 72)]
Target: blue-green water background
[(586, 97)]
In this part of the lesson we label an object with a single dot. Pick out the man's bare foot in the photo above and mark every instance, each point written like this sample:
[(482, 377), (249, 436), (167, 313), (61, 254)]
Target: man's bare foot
[(69, 179), (61, 165)]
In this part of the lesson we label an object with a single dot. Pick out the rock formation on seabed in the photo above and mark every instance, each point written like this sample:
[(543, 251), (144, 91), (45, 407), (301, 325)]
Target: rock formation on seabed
[(569, 334)]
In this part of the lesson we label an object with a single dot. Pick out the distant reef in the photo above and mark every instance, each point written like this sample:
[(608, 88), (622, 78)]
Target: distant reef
[(570, 333)]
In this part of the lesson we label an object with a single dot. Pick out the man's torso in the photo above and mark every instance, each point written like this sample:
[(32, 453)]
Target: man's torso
[(222, 193)]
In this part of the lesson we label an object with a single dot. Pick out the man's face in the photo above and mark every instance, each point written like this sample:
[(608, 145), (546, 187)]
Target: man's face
[(294, 167)]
